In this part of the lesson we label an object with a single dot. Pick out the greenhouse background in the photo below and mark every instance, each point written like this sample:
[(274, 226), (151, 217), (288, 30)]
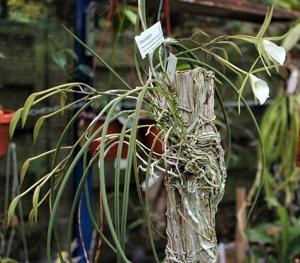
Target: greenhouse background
[(37, 52)]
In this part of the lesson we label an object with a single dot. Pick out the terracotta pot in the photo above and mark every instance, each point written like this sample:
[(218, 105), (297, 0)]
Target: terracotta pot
[(147, 138), (5, 119), (114, 127)]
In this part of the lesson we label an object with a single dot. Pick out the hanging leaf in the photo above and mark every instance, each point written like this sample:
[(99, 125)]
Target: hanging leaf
[(31, 217), (27, 105), (35, 202), (37, 128), (24, 170), (14, 122), (12, 208)]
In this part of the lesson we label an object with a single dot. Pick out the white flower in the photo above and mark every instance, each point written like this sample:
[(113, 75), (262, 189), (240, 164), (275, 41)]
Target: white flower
[(274, 52), (260, 88)]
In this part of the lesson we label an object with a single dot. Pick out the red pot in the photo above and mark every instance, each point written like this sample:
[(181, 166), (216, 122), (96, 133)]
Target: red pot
[(5, 119), (147, 138), (113, 127)]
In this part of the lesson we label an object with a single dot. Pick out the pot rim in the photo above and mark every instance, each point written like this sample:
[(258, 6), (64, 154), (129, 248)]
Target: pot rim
[(6, 116)]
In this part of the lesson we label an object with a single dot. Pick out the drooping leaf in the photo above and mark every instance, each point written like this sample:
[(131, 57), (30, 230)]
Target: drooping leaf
[(12, 208), (14, 122), (24, 170), (37, 128), (31, 218), (35, 202), (27, 105)]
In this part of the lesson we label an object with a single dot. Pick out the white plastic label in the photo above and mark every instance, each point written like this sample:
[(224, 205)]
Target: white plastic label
[(150, 39), (171, 69)]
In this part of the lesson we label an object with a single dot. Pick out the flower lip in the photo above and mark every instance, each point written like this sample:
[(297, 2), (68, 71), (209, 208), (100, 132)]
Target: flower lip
[(260, 89), (274, 52)]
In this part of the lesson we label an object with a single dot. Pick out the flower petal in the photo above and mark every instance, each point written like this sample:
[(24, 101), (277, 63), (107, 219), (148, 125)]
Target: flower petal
[(274, 52), (260, 89)]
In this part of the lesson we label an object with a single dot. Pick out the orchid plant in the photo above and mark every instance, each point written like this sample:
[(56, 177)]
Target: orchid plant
[(155, 86)]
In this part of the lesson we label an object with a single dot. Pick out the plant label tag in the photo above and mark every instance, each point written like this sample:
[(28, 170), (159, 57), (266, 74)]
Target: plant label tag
[(150, 39), (171, 68)]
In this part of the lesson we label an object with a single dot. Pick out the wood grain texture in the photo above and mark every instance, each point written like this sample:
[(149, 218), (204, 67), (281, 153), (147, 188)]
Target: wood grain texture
[(194, 195)]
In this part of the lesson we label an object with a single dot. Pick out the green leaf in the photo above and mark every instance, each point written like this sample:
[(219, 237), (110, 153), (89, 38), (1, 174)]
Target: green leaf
[(59, 59), (142, 13), (2, 55), (63, 97), (35, 202), (85, 70), (292, 38), (37, 128), (14, 122), (24, 170), (27, 105), (260, 235), (130, 15), (285, 236), (266, 23), (272, 201), (183, 66), (99, 58), (12, 208), (31, 217)]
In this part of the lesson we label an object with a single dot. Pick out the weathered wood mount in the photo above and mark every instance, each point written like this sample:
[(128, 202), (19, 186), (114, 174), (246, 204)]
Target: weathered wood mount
[(198, 162)]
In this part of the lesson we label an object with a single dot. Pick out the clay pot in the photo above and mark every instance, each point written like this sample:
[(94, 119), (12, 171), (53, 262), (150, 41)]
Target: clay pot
[(5, 119), (113, 127)]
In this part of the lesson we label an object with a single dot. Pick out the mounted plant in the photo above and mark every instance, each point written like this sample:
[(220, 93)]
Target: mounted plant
[(192, 160)]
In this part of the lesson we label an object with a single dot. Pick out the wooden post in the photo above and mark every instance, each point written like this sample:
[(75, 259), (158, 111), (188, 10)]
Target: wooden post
[(241, 243), (194, 195)]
